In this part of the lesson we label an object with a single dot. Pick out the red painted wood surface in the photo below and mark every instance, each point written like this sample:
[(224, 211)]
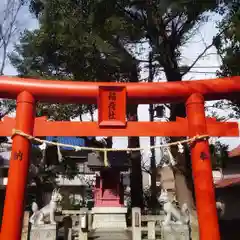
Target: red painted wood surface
[(87, 92), (107, 191), (42, 127), (18, 171), (228, 182), (202, 170), (112, 106)]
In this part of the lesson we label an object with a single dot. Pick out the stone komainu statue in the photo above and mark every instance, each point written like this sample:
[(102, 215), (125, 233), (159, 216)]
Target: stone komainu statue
[(39, 215), (181, 216)]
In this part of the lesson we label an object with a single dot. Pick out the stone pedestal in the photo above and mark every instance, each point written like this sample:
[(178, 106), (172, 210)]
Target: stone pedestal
[(110, 234), (43, 232), (175, 232), (109, 217), (25, 230)]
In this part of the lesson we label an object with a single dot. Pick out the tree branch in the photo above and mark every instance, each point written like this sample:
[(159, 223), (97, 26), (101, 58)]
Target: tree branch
[(204, 51), (10, 17), (197, 59), (2, 115)]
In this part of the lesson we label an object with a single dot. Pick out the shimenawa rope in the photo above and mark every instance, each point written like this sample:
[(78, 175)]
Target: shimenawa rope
[(106, 150)]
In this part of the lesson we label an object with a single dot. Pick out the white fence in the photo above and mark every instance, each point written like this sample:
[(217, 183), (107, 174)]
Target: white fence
[(150, 227), (77, 224), (145, 224)]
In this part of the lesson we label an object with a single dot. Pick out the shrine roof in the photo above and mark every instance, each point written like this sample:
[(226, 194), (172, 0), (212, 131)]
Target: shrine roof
[(75, 141), (234, 152), (227, 182)]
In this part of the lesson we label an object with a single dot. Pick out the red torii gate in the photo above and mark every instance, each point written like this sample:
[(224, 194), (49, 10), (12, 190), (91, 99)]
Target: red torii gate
[(112, 99)]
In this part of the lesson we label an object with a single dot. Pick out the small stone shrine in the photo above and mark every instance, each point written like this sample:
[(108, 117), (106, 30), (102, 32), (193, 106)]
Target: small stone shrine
[(109, 211)]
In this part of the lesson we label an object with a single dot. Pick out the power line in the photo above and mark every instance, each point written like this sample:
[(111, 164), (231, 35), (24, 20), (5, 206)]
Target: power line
[(206, 67), (201, 72)]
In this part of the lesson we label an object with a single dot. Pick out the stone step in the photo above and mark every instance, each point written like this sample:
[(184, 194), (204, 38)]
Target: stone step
[(110, 234)]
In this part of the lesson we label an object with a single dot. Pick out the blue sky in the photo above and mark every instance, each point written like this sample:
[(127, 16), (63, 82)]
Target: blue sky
[(189, 53), (24, 21)]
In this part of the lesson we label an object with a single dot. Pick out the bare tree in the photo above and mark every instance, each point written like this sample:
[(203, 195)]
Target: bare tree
[(8, 27)]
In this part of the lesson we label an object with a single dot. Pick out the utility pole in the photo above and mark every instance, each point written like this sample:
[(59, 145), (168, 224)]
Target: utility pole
[(152, 141)]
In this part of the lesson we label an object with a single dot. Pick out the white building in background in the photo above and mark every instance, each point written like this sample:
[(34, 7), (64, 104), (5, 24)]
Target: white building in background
[(4, 166), (78, 188)]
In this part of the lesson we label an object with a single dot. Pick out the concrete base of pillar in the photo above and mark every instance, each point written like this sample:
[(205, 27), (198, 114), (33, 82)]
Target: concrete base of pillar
[(109, 217)]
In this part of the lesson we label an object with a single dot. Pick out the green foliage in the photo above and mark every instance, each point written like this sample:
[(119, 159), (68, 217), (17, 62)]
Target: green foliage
[(92, 29), (6, 106), (70, 46), (167, 25), (89, 40), (228, 47), (219, 154), (63, 112)]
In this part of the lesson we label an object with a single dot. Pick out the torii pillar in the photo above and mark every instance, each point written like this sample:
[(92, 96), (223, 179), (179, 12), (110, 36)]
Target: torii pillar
[(18, 171), (202, 169)]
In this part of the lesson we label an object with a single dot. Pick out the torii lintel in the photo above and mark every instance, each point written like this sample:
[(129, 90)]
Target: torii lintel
[(179, 128)]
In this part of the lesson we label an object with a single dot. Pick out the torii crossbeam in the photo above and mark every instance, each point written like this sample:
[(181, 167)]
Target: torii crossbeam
[(112, 99)]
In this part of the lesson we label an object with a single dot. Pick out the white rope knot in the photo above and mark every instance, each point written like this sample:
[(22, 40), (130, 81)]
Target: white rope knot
[(105, 158), (77, 148), (180, 148)]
